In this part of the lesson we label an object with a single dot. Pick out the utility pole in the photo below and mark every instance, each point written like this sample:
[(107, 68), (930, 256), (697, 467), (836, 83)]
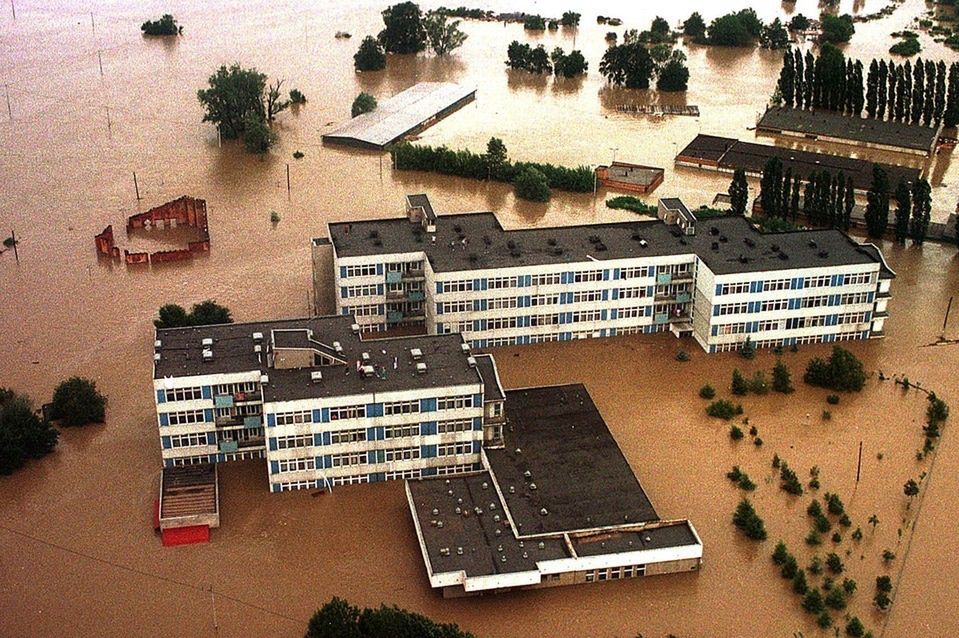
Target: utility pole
[(93, 24), (16, 253), (109, 123), (135, 185), (219, 140), (946, 319), (100, 60), (859, 464), (6, 88), (13, 8), (287, 179), (216, 623)]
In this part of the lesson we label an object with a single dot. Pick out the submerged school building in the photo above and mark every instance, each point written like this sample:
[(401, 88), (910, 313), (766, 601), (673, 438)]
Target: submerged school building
[(719, 279)]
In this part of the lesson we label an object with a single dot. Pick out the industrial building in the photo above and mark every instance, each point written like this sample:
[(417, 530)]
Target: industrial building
[(320, 404), (719, 279), (556, 504)]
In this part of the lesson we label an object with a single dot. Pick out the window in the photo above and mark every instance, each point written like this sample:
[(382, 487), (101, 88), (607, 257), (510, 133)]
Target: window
[(454, 449), (501, 323), (456, 306), (294, 418), (454, 403), (348, 412), (587, 275), (544, 338), (289, 486), (368, 290), (815, 302), (854, 298), (349, 480), (587, 315), (289, 442), (402, 431), (818, 282), (191, 460), (544, 300), (401, 407), (497, 283), (498, 342), (348, 458), (460, 468), (777, 284), (765, 326), (585, 296), (546, 279), (462, 285), (631, 313), (185, 418), (635, 272), (365, 311), (296, 465), (500, 303), (188, 440), (774, 304), (734, 289), (404, 474), (454, 425), (632, 293), (364, 270), (238, 389), (732, 329), (852, 317), (733, 308), (544, 320), (857, 278), (184, 394), (402, 454), (347, 436)]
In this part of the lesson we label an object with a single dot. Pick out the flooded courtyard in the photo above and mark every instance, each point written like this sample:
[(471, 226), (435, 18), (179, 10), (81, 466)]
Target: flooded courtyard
[(77, 551)]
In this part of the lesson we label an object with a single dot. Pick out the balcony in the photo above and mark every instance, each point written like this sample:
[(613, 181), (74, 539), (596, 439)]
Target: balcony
[(223, 401), (683, 297), (394, 277), (683, 278), (417, 295), (664, 278), (394, 316), (395, 295), (413, 275), (660, 318), (247, 397), (669, 297), (248, 422)]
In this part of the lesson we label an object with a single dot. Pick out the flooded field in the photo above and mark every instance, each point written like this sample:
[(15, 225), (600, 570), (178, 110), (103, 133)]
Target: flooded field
[(77, 553)]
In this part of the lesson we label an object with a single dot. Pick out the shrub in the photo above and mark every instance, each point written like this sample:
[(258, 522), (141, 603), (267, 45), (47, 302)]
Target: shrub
[(758, 442), (758, 383), (790, 567), (815, 566), (799, 582), (201, 314), (258, 137), (735, 433), (780, 553), (834, 563), (888, 556), (834, 504), (341, 619), (746, 519), (634, 204), (298, 154), (776, 461), (824, 620), (782, 381), (842, 371), (370, 56), (836, 599), (741, 479), (789, 481), (364, 103), (822, 524), (682, 355), (166, 25), (23, 433), (814, 509), (532, 185), (849, 586), (534, 23), (813, 538), (855, 627), (883, 589), (274, 217), (739, 386), (707, 392), (748, 349), (832, 399), (906, 47), (721, 409), (836, 29), (837, 537), (297, 97), (826, 415), (813, 602), (76, 401), (857, 534)]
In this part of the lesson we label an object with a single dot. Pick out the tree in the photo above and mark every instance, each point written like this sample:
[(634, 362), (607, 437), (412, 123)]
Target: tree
[(532, 185), (570, 19), (911, 488), (950, 116), (339, 619), (202, 314), (627, 64), (837, 29), (774, 35), (770, 187), (568, 65), (873, 520), (442, 35), (841, 371), (496, 158), (929, 99), (166, 25), (738, 193), (799, 22), (234, 99), (695, 27), (903, 210), (799, 77), (172, 316), (787, 78), (404, 31), (364, 103), (258, 137), (939, 98), (76, 401), (731, 30), (813, 602), (855, 628), (921, 210), (877, 207), (918, 91), (23, 434), (781, 378), (673, 75), (297, 97), (370, 55), (748, 521), (534, 23), (274, 105), (872, 89), (739, 386)]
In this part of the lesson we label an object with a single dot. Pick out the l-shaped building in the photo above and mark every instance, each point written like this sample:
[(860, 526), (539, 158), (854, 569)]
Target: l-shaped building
[(718, 279)]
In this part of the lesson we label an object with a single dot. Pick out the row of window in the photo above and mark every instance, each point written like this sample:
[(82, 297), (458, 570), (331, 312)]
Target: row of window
[(615, 573), (366, 290), (359, 411), (819, 281), (771, 305), (362, 270)]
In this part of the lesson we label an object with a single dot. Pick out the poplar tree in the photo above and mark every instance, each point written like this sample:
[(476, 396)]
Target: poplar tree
[(787, 79), (809, 79), (770, 189), (877, 208), (794, 203), (951, 115), (929, 99), (799, 78), (891, 97), (807, 201), (918, 91), (907, 92), (858, 97), (849, 204), (882, 85), (838, 200), (921, 209), (738, 192), (940, 98), (872, 89), (903, 211), (787, 184)]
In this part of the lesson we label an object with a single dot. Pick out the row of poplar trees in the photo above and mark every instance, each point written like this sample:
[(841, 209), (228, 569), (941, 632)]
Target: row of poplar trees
[(926, 93), (913, 207)]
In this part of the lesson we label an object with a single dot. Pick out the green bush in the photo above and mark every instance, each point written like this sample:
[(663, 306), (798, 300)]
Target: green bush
[(76, 401), (707, 392), (832, 399), (824, 620), (258, 137), (815, 566), (813, 602), (721, 409), (855, 628), (782, 381), (339, 619), (364, 103), (780, 553), (799, 582), (906, 47), (298, 154), (370, 56), (23, 434), (834, 504), (532, 185), (813, 538), (790, 567), (297, 97), (166, 25), (836, 29), (741, 479), (204, 313), (634, 204), (789, 482), (534, 23), (746, 519), (836, 599), (735, 433), (758, 385), (842, 371), (739, 386), (834, 563)]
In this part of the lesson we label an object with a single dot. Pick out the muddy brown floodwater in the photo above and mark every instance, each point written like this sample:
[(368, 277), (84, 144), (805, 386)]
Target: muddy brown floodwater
[(77, 553)]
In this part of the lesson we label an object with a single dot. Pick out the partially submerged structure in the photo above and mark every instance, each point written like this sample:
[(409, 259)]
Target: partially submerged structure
[(630, 177), (183, 211), (556, 504), (829, 126), (406, 113), (189, 504)]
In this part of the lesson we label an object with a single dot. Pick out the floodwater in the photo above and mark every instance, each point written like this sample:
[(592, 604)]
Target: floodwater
[(77, 554)]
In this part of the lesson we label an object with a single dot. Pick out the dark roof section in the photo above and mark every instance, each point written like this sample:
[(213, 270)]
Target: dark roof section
[(487, 370), (730, 154), (581, 477), (233, 352), (726, 244), (471, 537), (676, 204), (848, 127), (675, 534), (421, 200)]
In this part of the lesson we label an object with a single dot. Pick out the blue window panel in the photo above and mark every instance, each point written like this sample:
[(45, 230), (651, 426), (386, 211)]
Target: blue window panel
[(477, 466), (274, 488), (165, 440), (612, 332), (795, 303), (477, 400), (317, 416), (211, 438), (615, 294), (477, 304), (327, 438), (650, 291), (868, 316), (342, 292), (715, 311), (207, 392), (612, 313), (429, 471), (755, 286), (370, 434), (564, 277), (477, 446), (439, 287), (380, 288), (834, 300), (346, 310), (324, 415), (428, 428), (606, 275), (603, 315), (605, 294), (270, 420), (871, 297), (715, 331), (379, 269), (380, 433), (616, 273), (164, 418), (167, 462), (342, 272), (274, 467), (161, 396), (439, 328), (371, 456), (712, 349), (477, 423), (377, 477), (427, 451), (427, 405), (719, 289), (374, 409), (439, 308), (272, 443), (208, 415), (565, 336)]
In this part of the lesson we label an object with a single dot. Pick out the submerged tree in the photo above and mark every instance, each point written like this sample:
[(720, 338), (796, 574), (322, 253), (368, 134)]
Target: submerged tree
[(442, 35), (628, 64), (77, 401), (877, 207), (404, 31), (673, 74), (364, 103), (903, 210), (235, 97), (738, 192), (370, 55), (24, 434), (921, 210)]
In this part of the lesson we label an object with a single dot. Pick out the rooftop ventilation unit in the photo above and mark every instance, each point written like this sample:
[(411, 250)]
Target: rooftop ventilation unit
[(416, 353), (643, 243), (257, 349), (465, 347), (264, 379), (316, 376), (157, 344), (337, 347), (471, 361), (715, 245), (823, 253), (367, 371), (420, 368), (208, 342), (156, 357), (207, 355), (355, 328), (257, 336), (365, 356)]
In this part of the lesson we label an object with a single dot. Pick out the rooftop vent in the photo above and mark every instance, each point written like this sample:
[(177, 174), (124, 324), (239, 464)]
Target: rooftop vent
[(749, 242), (355, 328), (743, 259), (365, 356), (643, 243), (543, 512), (715, 245), (264, 379), (723, 239), (783, 256), (156, 357), (316, 376), (157, 344), (420, 368), (812, 243), (207, 342), (471, 361), (257, 336), (465, 347), (416, 353), (207, 355), (257, 349), (713, 231), (823, 253), (337, 347), (367, 371)]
